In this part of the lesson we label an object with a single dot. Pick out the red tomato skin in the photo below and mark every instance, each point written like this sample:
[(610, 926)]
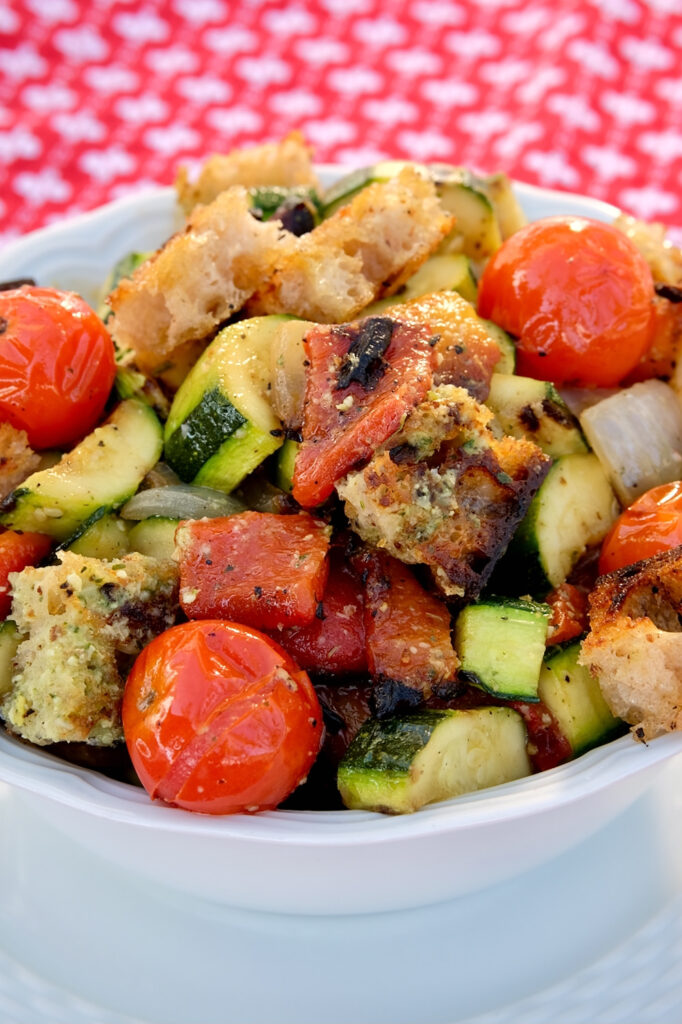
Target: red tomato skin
[(653, 523), (577, 295), (569, 617), (17, 551), (334, 643), (219, 719), (259, 568), (56, 365)]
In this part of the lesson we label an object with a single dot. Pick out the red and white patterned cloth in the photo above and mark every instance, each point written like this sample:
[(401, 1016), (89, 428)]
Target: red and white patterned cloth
[(99, 97)]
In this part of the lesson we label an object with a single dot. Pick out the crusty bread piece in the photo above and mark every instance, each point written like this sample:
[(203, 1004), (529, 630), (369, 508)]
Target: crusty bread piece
[(286, 163), (77, 619), (465, 353), (634, 646), (17, 458), (444, 492), (199, 278), (366, 249)]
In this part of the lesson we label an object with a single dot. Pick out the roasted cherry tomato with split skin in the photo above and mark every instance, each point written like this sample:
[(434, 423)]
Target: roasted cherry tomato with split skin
[(56, 365), (219, 719), (17, 551), (653, 523), (577, 295)]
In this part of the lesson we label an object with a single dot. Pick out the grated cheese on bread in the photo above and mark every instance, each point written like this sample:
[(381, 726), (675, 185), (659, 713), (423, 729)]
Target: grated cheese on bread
[(198, 279), (80, 622), (286, 163), (365, 250)]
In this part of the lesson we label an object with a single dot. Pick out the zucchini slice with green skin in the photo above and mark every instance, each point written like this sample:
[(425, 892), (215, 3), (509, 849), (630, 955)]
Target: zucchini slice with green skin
[(573, 510), (154, 537), (574, 697), (10, 638), (534, 410), (399, 764), (342, 191), (507, 360), (125, 267), (104, 535), (447, 272), (286, 460), (221, 425), (103, 471), (501, 644), (476, 232)]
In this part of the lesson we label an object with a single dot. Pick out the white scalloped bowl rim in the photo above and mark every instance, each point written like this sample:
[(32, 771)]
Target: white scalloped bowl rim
[(84, 248)]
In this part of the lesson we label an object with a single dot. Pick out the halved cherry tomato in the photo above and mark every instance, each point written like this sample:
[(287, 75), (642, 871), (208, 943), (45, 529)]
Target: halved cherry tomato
[(219, 719), (56, 365), (18, 550), (569, 616), (578, 296), (653, 523)]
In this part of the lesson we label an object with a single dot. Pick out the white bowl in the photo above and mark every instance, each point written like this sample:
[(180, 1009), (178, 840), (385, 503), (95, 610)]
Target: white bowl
[(343, 862)]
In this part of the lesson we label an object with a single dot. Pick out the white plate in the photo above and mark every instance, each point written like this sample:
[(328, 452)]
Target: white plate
[(297, 862)]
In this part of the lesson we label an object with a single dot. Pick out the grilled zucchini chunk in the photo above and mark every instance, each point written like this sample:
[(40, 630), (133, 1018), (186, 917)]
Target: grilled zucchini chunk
[(534, 409), (103, 535), (501, 644), (573, 510), (81, 622), (10, 639), (401, 764), (154, 537), (221, 424), (17, 461), (446, 272), (634, 647), (506, 345), (103, 471), (444, 492), (575, 699)]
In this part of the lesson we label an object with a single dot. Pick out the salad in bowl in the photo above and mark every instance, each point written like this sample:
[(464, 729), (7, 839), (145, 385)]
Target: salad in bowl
[(357, 496)]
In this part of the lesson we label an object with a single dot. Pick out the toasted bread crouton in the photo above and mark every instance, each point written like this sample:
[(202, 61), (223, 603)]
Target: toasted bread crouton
[(444, 492), (286, 163), (79, 622), (465, 354), (17, 459), (634, 646), (199, 278), (366, 249)]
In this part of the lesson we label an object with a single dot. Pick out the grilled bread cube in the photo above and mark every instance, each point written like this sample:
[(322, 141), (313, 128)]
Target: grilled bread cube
[(366, 249), (198, 279), (287, 163), (79, 622), (444, 492), (17, 459), (634, 646)]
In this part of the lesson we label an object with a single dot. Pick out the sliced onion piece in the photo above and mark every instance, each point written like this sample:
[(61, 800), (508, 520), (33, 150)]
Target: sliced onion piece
[(181, 501), (288, 373), (637, 436)]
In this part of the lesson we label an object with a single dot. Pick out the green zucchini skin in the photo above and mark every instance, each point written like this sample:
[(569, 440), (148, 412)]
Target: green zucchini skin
[(104, 535), (573, 510), (221, 425), (507, 360), (102, 471), (399, 764), (574, 697), (501, 644), (534, 410)]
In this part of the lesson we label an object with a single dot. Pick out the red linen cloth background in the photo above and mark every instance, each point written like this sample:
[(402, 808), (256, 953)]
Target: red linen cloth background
[(99, 97)]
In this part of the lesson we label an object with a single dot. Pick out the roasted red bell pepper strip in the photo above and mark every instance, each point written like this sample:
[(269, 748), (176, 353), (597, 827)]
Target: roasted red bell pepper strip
[(17, 551), (569, 617), (362, 380), (334, 642), (257, 568)]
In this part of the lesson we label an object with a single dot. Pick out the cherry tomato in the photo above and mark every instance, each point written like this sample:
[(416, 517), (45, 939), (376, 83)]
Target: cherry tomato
[(569, 613), (17, 550), (56, 365), (653, 523), (219, 719), (578, 296)]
